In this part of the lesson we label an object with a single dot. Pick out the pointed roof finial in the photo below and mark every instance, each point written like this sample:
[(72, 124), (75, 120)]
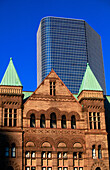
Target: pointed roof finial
[(89, 81), (11, 77)]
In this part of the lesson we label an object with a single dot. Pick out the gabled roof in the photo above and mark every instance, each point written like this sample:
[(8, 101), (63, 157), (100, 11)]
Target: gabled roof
[(89, 81), (10, 77), (48, 76)]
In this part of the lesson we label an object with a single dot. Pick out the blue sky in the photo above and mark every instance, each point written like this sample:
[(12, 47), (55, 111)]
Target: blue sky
[(19, 21)]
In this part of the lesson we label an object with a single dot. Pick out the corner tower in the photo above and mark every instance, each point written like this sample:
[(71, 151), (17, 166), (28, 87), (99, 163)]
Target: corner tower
[(91, 98), (11, 98)]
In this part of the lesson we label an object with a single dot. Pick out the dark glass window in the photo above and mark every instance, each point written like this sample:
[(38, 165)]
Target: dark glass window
[(93, 152), (7, 150), (42, 121), (99, 152), (53, 120), (63, 121), (32, 120), (10, 119), (13, 151), (73, 122)]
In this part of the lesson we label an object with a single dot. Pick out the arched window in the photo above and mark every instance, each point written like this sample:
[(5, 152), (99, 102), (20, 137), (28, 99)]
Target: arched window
[(98, 168), (32, 120), (73, 122), (42, 121), (93, 151), (13, 151), (53, 120), (7, 150), (99, 152), (63, 121)]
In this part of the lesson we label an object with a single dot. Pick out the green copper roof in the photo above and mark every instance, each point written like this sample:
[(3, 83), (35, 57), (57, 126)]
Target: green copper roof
[(27, 94), (89, 81), (10, 77)]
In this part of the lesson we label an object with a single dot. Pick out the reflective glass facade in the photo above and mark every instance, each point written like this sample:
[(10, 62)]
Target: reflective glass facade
[(66, 45)]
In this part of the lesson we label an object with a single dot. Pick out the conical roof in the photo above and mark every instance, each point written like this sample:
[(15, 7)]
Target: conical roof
[(89, 81), (10, 77)]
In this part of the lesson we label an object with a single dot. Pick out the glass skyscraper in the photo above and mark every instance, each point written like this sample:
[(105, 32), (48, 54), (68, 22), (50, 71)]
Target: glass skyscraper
[(66, 45)]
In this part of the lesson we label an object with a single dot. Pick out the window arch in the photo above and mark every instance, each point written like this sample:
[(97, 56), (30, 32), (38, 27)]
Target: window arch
[(93, 151), (99, 152), (53, 120), (73, 122), (32, 120), (13, 150), (7, 150), (63, 121), (42, 121)]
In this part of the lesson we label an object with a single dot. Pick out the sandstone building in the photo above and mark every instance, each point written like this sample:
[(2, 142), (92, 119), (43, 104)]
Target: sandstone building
[(51, 128)]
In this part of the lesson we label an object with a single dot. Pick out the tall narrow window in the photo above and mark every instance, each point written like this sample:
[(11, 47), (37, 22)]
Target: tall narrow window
[(32, 120), (52, 88), (42, 121), (63, 121), (15, 117), (94, 120), (99, 152), (53, 120), (10, 119), (73, 122), (13, 151), (5, 116), (7, 150), (98, 117), (93, 152)]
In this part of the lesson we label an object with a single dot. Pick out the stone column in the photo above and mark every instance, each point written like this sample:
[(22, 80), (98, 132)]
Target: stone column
[(70, 160), (68, 124), (54, 160), (38, 123), (58, 123), (38, 160), (47, 123)]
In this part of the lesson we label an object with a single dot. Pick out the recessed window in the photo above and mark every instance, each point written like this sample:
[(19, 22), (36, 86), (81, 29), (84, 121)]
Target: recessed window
[(52, 88), (93, 152), (46, 160), (7, 151), (94, 120), (73, 122), (63, 121), (32, 120), (13, 151), (42, 121), (99, 152), (53, 120), (10, 117)]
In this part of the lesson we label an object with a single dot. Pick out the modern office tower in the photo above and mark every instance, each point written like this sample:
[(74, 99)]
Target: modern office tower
[(66, 45)]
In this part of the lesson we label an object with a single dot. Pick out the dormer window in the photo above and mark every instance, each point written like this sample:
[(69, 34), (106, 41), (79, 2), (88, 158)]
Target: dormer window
[(52, 88)]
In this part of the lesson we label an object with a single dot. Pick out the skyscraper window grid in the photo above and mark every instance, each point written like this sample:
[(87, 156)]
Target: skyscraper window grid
[(65, 47)]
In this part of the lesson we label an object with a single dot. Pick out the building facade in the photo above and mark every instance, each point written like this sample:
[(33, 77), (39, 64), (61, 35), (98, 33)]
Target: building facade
[(50, 129), (66, 45)]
